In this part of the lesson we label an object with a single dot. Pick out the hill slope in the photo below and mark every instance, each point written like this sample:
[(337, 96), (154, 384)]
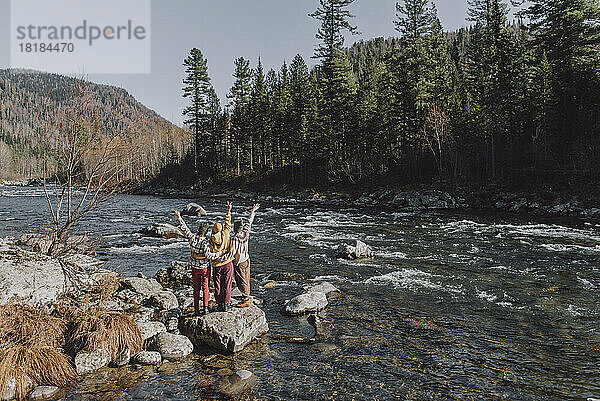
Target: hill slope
[(32, 103)]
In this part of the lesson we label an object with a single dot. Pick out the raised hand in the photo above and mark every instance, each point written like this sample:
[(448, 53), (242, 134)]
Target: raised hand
[(229, 204), (256, 207), (177, 213)]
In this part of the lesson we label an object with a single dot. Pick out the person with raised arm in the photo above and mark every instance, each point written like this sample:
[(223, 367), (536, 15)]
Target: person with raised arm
[(223, 266), (241, 258), (200, 258)]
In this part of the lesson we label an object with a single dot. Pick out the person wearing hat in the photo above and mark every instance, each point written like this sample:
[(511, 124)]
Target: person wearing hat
[(200, 258), (241, 258), (223, 266)]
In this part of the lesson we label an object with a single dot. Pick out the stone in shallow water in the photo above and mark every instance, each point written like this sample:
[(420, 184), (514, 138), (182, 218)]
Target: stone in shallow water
[(147, 358), (324, 287), (162, 230), (305, 303), (89, 362), (237, 383), (172, 346), (44, 393), (193, 209), (226, 331), (359, 251)]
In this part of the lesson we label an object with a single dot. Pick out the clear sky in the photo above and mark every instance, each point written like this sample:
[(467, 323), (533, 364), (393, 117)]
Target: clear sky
[(275, 30)]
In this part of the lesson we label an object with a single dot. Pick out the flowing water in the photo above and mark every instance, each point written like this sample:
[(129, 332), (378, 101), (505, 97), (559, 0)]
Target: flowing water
[(454, 306)]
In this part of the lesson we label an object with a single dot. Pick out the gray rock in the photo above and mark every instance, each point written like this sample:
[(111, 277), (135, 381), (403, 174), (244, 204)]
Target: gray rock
[(151, 329), (359, 251), (324, 287), (89, 362), (147, 358), (29, 277), (172, 346), (305, 303), (193, 209), (144, 286), (44, 393), (164, 300), (237, 383), (162, 230), (226, 331)]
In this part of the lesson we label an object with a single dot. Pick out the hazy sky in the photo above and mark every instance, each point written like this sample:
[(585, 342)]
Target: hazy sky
[(276, 30)]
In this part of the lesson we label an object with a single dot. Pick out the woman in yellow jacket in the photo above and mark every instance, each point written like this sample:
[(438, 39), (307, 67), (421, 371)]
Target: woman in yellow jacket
[(223, 267)]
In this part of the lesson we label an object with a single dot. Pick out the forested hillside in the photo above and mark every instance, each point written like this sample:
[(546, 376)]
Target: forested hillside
[(33, 106), (498, 100)]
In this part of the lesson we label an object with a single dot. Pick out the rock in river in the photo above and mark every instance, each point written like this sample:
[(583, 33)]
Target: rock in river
[(226, 331), (237, 383), (325, 287), (193, 209), (172, 346), (89, 362), (147, 358), (359, 251), (44, 393), (162, 230), (305, 303)]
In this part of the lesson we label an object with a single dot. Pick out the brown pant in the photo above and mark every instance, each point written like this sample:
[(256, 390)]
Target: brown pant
[(242, 278)]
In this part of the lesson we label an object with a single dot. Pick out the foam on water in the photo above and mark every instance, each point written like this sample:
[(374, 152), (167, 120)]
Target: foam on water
[(571, 248), (411, 279), (148, 248)]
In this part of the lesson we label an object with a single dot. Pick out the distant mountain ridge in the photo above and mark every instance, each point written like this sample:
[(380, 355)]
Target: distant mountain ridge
[(30, 99)]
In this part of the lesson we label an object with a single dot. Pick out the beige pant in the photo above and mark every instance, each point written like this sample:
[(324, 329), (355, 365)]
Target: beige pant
[(242, 277)]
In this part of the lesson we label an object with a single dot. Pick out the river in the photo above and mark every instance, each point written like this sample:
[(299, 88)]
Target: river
[(455, 306)]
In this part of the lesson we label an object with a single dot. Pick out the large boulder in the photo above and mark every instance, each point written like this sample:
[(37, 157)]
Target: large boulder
[(235, 384), (193, 209), (359, 251), (226, 331), (89, 362), (305, 303), (162, 230), (30, 277), (172, 346)]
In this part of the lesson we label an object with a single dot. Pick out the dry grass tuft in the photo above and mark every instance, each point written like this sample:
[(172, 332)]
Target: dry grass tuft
[(25, 325), (32, 365), (113, 331)]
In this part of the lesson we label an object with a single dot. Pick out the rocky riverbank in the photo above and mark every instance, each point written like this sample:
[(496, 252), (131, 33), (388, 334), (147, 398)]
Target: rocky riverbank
[(535, 203), (71, 318)]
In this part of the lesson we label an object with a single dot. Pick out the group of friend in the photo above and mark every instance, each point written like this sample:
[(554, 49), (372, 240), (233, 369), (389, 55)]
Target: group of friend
[(223, 253)]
